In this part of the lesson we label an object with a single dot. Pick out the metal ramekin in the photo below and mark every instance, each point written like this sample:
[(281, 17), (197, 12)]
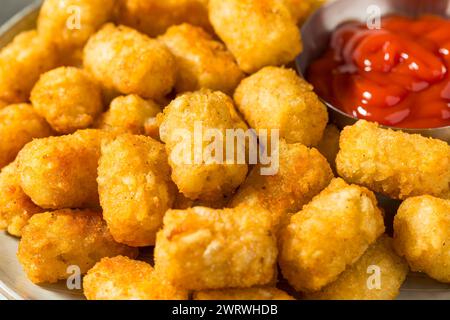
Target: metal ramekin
[(318, 28)]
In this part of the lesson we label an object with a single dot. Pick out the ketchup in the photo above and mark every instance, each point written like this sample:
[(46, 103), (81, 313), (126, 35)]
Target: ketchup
[(397, 75)]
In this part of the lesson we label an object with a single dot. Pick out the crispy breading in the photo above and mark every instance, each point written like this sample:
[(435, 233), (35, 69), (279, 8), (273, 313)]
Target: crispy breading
[(360, 281), (21, 63), (153, 17), (127, 61), (202, 248), (61, 172), (256, 293), (330, 233), (129, 114), (121, 278), (68, 99), (182, 203), (135, 188), (329, 145), (19, 124), (208, 178), (395, 163), (69, 23), (16, 208), (202, 61), (259, 33), (422, 235), (302, 174), (277, 98), (54, 241)]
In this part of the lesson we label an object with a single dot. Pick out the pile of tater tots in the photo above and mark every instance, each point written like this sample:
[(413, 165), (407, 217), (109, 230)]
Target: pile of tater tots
[(90, 121)]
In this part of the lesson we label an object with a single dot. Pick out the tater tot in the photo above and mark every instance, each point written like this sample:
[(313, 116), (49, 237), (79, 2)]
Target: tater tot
[(69, 23), (422, 235), (302, 174), (208, 178), (54, 241), (302, 9), (19, 124), (377, 275), (259, 33), (182, 203), (397, 164), (16, 208), (276, 98), (61, 172), (121, 278), (328, 235), (129, 114), (21, 64), (202, 248), (153, 17), (329, 145), (129, 62), (68, 99), (202, 62), (3, 104), (135, 188), (257, 293)]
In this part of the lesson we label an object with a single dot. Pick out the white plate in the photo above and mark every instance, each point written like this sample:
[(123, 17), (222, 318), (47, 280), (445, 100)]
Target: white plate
[(14, 283)]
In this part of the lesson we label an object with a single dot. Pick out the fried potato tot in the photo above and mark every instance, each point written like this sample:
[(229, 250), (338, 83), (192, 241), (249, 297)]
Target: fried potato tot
[(202, 62), (130, 114), (302, 9), (19, 124), (68, 99), (3, 104), (397, 164), (16, 208), (359, 281), (153, 17), (276, 98), (259, 33), (202, 248), (330, 233), (53, 241), (302, 174), (186, 118), (122, 59), (183, 203), (422, 235), (135, 188), (121, 278), (21, 63), (257, 293), (61, 172), (69, 23), (329, 145)]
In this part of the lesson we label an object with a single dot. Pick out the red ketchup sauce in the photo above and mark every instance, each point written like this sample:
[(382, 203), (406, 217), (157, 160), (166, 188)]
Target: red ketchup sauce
[(397, 75)]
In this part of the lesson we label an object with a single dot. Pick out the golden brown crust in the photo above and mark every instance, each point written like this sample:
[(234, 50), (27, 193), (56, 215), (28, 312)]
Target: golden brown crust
[(277, 98), (397, 164), (202, 62), (19, 124), (121, 278), (153, 17), (21, 63), (16, 208), (259, 33), (68, 99), (330, 233), (61, 172), (202, 248), (355, 282), (129, 62), (135, 188), (204, 180), (53, 241), (422, 235)]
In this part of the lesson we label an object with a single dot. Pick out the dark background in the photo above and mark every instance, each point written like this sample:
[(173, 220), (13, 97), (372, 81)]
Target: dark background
[(10, 7)]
